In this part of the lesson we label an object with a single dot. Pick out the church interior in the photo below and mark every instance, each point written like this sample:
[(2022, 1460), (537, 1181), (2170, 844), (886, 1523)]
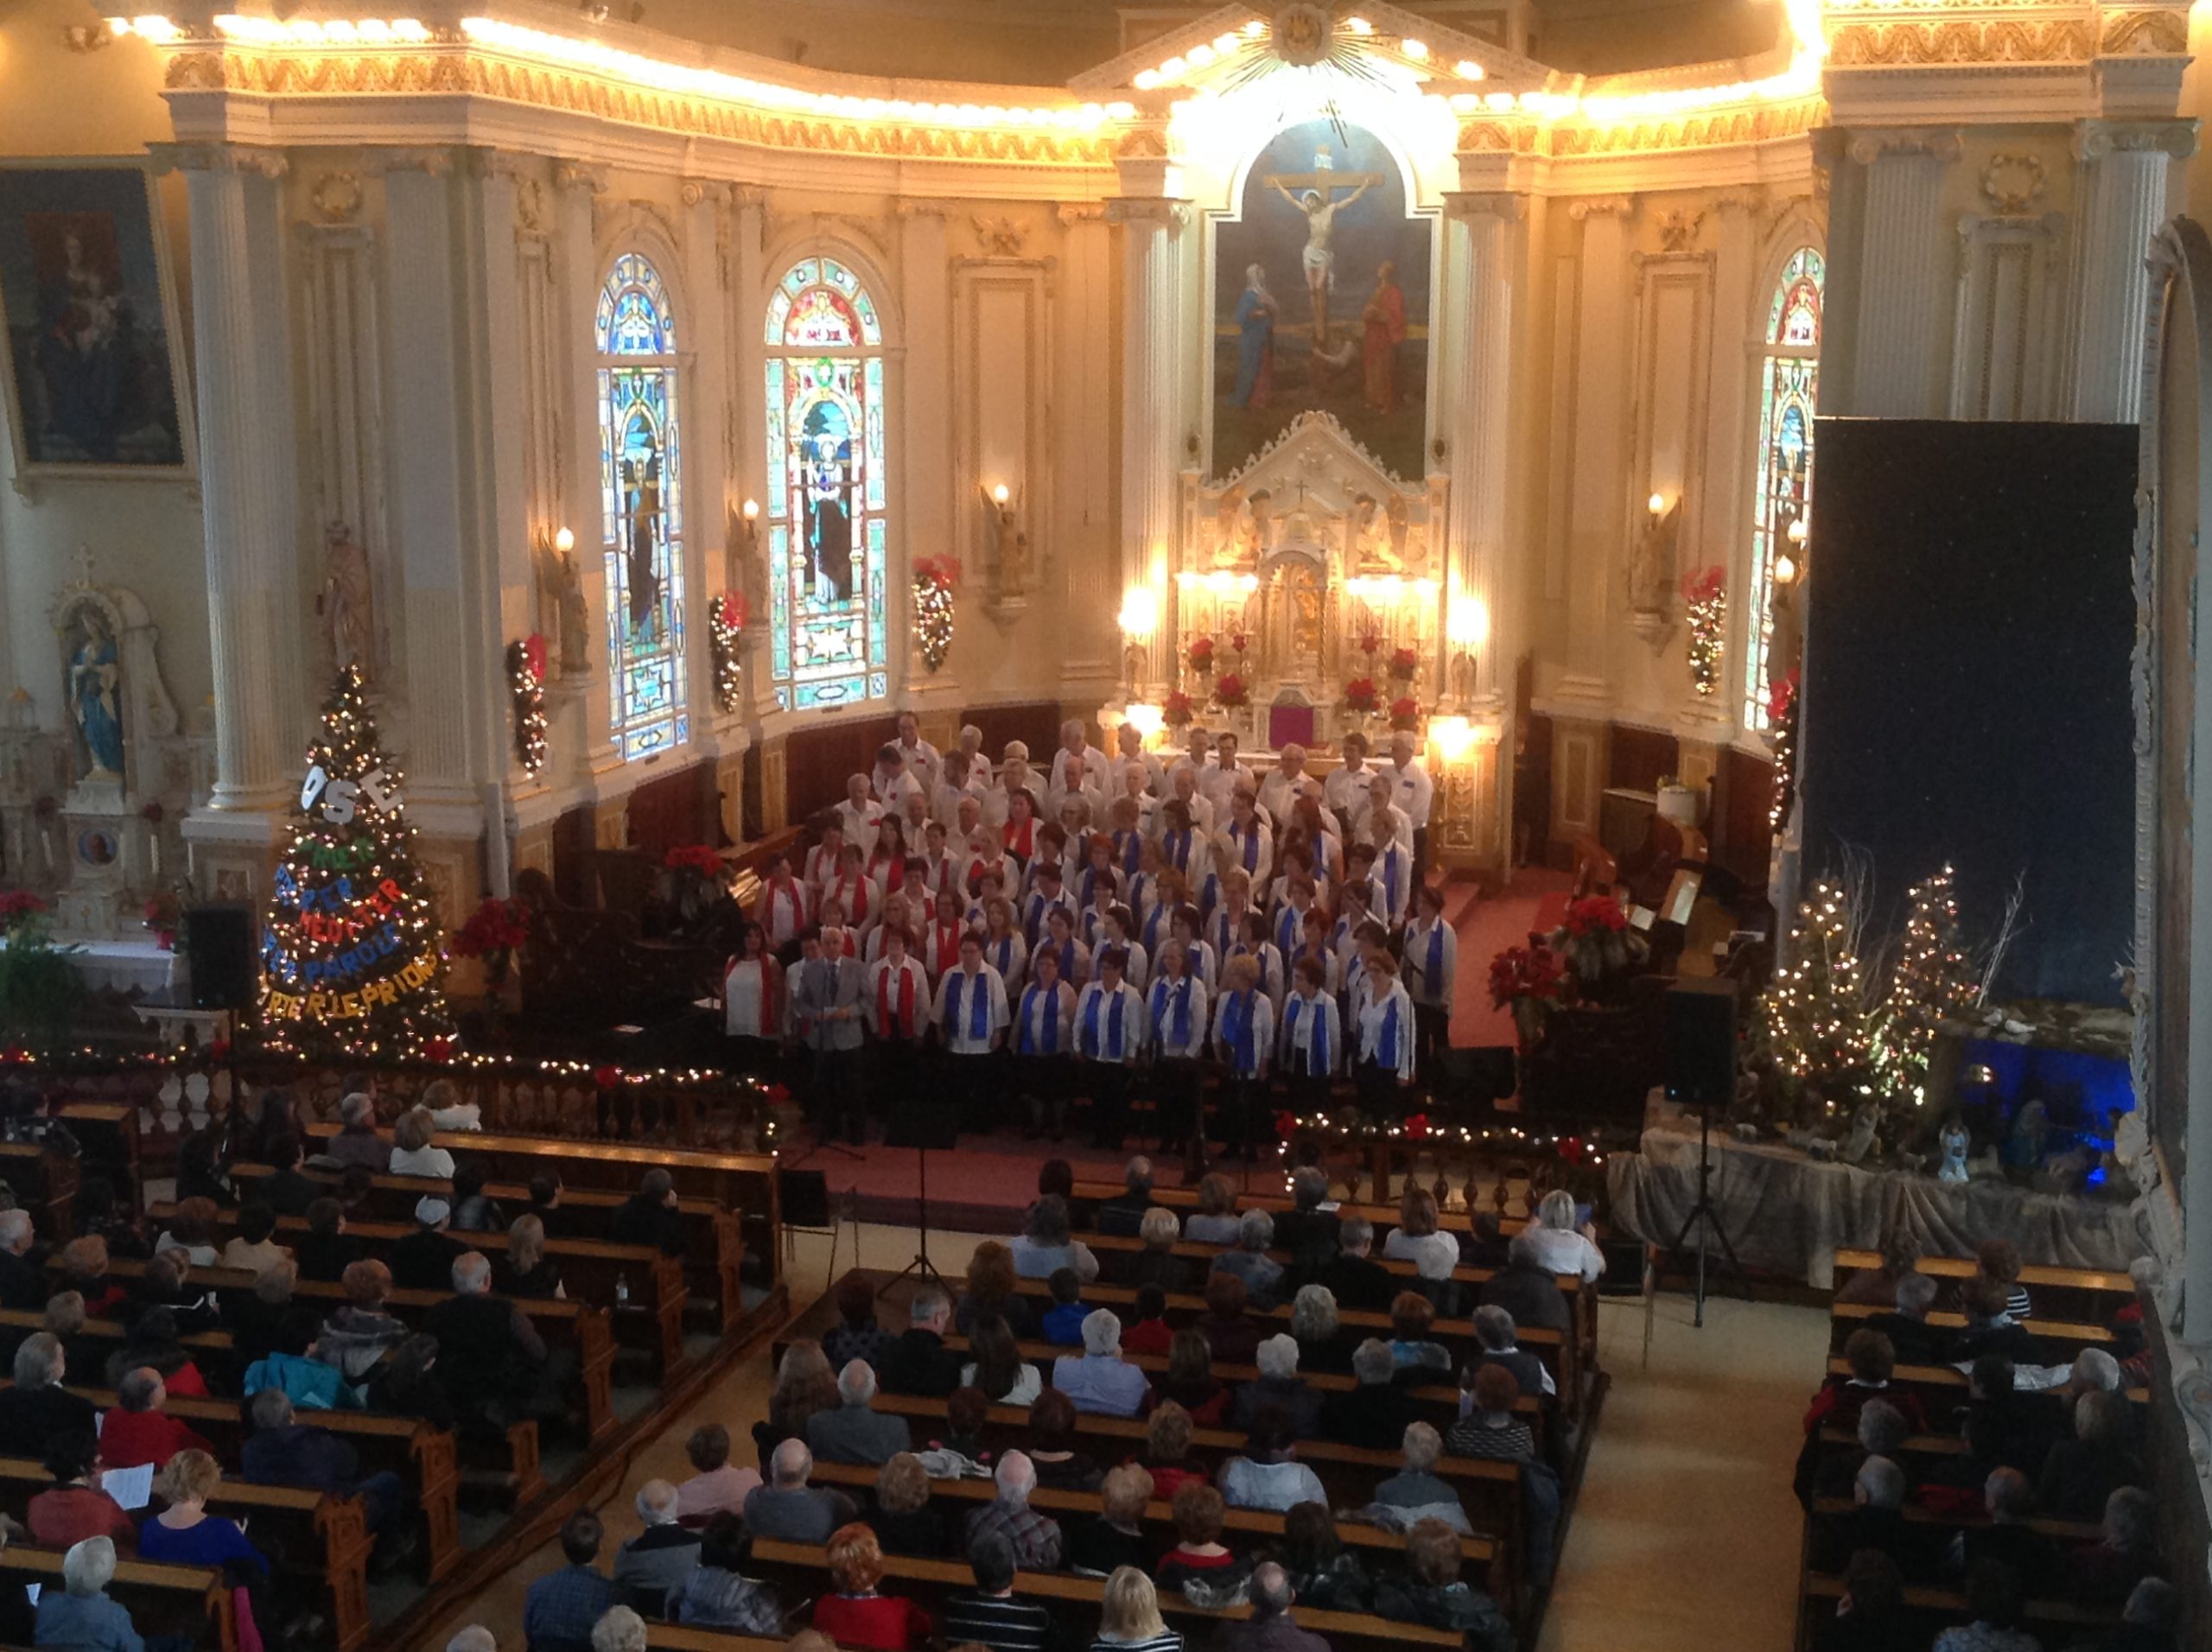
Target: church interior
[(1451, 746)]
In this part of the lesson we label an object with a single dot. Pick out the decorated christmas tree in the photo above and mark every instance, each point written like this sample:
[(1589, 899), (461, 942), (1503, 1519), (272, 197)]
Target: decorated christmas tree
[(1815, 1012), (351, 961), (1935, 980)]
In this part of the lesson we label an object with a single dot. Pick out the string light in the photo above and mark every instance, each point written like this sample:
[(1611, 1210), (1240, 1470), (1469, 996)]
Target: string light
[(1815, 1012), (934, 578), (526, 687), (1934, 981), (1706, 595), (725, 622)]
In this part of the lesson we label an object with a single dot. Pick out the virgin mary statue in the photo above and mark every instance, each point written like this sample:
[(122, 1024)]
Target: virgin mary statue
[(95, 699)]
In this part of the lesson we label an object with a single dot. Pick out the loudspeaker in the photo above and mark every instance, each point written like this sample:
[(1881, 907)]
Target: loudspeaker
[(1701, 1023), (219, 949)]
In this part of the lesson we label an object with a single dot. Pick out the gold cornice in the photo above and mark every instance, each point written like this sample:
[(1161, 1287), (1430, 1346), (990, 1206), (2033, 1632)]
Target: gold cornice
[(1707, 129), (1924, 42)]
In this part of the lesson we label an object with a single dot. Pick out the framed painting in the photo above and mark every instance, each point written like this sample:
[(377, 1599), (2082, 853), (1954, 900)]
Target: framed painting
[(1321, 299), (94, 385)]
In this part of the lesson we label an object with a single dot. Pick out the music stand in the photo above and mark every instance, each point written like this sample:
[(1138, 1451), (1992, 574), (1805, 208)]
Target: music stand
[(921, 1129), (1703, 1215)]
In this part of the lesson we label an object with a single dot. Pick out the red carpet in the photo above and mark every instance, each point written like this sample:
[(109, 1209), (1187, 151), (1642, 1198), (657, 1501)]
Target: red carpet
[(1489, 926)]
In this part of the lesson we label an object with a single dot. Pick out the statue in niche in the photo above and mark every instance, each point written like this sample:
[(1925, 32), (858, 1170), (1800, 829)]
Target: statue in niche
[(1651, 563), (1301, 590), (1228, 525), (1258, 525), (641, 489), (1009, 544), (346, 604), (576, 617), (95, 693)]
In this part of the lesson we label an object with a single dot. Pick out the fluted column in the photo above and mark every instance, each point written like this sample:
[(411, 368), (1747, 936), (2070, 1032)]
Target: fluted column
[(1723, 541), (2124, 169), (754, 475), (930, 519), (1903, 284), (1597, 501), (578, 276), (708, 484), (247, 480), (1478, 416), (1151, 228)]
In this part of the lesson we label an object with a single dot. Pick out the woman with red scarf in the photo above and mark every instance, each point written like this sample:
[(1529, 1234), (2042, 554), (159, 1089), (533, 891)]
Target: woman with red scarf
[(898, 1011), (752, 1002)]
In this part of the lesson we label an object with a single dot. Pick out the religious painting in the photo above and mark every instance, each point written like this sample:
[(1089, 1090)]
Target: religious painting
[(92, 323), (1321, 300)]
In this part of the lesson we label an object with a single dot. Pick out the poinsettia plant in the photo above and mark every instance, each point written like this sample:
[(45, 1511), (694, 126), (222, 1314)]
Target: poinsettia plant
[(1360, 694), (1597, 942), (1231, 690), (1201, 655), (1370, 644), (17, 905), (493, 932), (1403, 664), (1528, 980), (694, 857), (1405, 713), (1782, 694), (1177, 708)]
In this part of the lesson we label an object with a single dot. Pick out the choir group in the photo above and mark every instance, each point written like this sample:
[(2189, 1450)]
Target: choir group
[(1110, 927)]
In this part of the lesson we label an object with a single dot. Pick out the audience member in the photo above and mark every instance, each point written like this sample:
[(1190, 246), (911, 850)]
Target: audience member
[(326, 1250), (1046, 1247), (805, 1384), (1278, 1386), (185, 1534), (716, 1486), (74, 1508), (1418, 1492), (135, 1430), (1375, 1414), (1356, 1280), (1062, 1323), (1188, 1380), (997, 1367), (858, 1334), (1489, 1428), (79, 1614), (619, 1630), (357, 1141), (1053, 1446), (424, 1260), (1157, 1263), (1101, 1381), (1151, 1333), (1307, 1231), (2080, 1474), (715, 1595), (1317, 1329), (1116, 1538), (38, 1409), (2105, 1572), (1993, 1611), (1871, 1362), (1416, 1238), (414, 1151), (1562, 1247), (1324, 1573), (854, 1614), (989, 1615), (1270, 1628), (1998, 1261), (1912, 1339), (494, 1359), (1876, 1522), (1249, 1262), (1432, 1592), (1991, 1328), (2150, 1621), (855, 1431), (2009, 1538), (787, 1508), (1215, 1220), (967, 1411), (1870, 1617), (1877, 1287), (1526, 1288), (284, 1451), (1200, 1566), (655, 1563), (902, 1519), (1412, 1349), (1229, 1330), (1123, 1215), (524, 1269), (651, 1216), (359, 1335), (1034, 1538), (253, 1247), (1268, 1474), (993, 1288), (919, 1362)]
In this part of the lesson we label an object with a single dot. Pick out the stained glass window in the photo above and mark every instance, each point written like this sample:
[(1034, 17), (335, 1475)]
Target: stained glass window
[(1790, 375), (828, 605), (640, 475)]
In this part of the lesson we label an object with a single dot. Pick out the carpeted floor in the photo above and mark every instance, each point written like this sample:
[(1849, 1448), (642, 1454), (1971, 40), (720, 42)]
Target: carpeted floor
[(1492, 925)]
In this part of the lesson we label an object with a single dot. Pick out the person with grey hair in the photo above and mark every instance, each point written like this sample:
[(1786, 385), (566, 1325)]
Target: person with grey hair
[(1876, 1522), (1317, 1328), (1034, 1538), (491, 1358), (1906, 1325), (1419, 1492), (1355, 1279), (1270, 1628), (1495, 1331), (1157, 1263), (2080, 1474), (1375, 1414), (357, 1141), (1561, 1247), (2150, 1621), (284, 1451), (855, 1431), (919, 1362), (80, 1613), (22, 1274), (1278, 1387), (1268, 1475), (2009, 1537), (38, 1408), (619, 1630), (423, 1259), (2102, 1575), (660, 1557), (1100, 1380), (135, 1430), (787, 1508), (473, 1637), (1122, 1215), (1249, 1262)]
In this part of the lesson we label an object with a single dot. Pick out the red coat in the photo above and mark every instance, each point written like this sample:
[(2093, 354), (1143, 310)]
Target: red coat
[(1838, 1404), (882, 1623), (130, 1438)]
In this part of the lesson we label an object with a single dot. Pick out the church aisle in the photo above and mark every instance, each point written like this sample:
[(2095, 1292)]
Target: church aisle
[(1686, 1535)]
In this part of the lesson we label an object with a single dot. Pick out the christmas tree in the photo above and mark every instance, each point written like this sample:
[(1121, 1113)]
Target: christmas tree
[(1934, 981), (351, 961), (1815, 1012)]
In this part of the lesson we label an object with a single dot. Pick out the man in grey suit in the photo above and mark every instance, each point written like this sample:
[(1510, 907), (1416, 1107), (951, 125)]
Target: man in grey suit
[(787, 1508), (855, 1431), (828, 991)]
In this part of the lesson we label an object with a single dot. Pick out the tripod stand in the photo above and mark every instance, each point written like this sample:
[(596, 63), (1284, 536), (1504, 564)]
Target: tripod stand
[(921, 1269), (1702, 1215)]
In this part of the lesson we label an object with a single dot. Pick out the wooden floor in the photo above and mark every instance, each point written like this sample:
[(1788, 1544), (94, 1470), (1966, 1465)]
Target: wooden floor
[(1689, 1476)]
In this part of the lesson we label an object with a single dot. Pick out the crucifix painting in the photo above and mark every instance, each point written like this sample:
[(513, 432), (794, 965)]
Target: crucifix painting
[(1323, 218)]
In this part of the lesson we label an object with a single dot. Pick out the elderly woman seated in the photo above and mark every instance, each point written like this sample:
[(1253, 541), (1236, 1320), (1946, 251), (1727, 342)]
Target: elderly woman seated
[(854, 1614), (1268, 1475), (1116, 1538), (1415, 1239), (1249, 1262), (1279, 1387), (1200, 1564), (359, 1333), (714, 1595), (1188, 1380), (1420, 1493), (993, 1286), (1561, 1247), (1053, 1446), (1432, 1592), (1232, 1333), (37, 1408), (1317, 1330), (80, 1613), (1157, 1263), (1215, 1220), (185, 1534), (1046, 1247), (1326, 1575), (1101, 1381), (1491, 1429), (1129, 1615), (902, 1520), (1411, 1315), (2103, 1574)]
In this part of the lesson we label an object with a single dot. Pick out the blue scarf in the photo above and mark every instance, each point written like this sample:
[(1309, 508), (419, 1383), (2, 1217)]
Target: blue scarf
[(1317, 1058), (979, 1012), (1432, 972), (1177, 847), (1288, 923), (1236, 1031), (1050, 1031), (1130, 846), (1177, 1019), (1209, 893), (1391, 877), (1386, 1046), (1004, 963), (1250, 840), (1089, 886), (1089, 1043), (1152, 920)]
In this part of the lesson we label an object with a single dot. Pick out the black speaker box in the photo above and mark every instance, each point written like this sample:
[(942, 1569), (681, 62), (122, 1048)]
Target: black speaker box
[(219, 949), (1701, 1022)]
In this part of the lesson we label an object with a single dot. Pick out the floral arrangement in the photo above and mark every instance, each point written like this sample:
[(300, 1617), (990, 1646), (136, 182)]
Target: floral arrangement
[(1707, 594), (159, 915), (1405, 712), (934, 578), (1594, 915), (18, 907), (1360, 694), (1404, 662), (1595, 940), (1239, 642), (526, 687), (1178, 710), (493, 932), (1528, 979), (725, 621), (694, 857), (1782, 735), (1231, 690), (1370, 642), (1201, 655)]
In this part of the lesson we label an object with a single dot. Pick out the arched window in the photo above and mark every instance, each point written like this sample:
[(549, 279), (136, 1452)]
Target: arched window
[(641, 493), (1790, 376), (827, 601)]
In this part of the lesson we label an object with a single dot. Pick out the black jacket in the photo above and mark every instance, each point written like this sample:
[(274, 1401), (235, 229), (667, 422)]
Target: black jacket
[(22, 1280), (1530, 1295), (642, 1220), (920, 1362), (1358, 1282), (423, 1261), (326, 1255), (482, 1353), (1122, 1214), (32, 1419), (1372, 1416), (289, 1193)]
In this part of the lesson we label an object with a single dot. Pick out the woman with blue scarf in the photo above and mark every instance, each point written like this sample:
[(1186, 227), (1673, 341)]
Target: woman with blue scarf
[(1312, 1038), (1244, 1037), (1432, 955), (1382, 1018), (970, 1016), (1108, 1036), (1043, 1039), (1176, 1022)]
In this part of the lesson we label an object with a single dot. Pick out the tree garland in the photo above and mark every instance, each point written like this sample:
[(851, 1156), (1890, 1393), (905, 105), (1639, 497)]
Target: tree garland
[(934, 578), (1782, 735), (1707, 594), (725, 624), (526, 687)]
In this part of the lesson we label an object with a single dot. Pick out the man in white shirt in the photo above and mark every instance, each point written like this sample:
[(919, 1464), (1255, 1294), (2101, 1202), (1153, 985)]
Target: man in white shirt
[(922, 760), (1128, 739), (1415, 791), (1198, 753), (1014, 775), (1345, 790), (891, 783), (1073, 777), (1286, 783), (1185, 785), (958, 779), (860, 814), (1226, 775), (1075, 742)]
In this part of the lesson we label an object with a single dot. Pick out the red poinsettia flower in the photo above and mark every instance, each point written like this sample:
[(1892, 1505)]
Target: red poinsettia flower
[(1237, 641), (1416, 1127), (219, 1049), (1177, 709), (1286, 1124), (437, 1050), (1594, 914), (1703, 584), (16, 903), (1360, 694), (1525, 972), (944, 572), (694, 857), (606, 1077), (1405, 713), (730, 606), (1201, 654), (1403, 664), (777, 1093), (1230, 691), (495, 927), (15, 1055), (1781, 695), (1370, 643), (533, 655)]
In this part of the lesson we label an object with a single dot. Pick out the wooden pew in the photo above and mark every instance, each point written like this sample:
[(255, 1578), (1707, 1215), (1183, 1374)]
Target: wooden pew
[(332, 1531), (45, 1184), (1952, 1384), (1490, 1492), (588, 1270), (2071, 1531), (932, 1581), (2096, 1288), (161, 1599), (1844, 1318), (1949, 1606)]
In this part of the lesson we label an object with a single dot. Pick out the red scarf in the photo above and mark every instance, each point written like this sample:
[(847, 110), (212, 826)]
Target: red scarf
[(904, 1020), (945, 945), (785, 888), (1020, 840), (772, 991), (880, 865), (850, 893)]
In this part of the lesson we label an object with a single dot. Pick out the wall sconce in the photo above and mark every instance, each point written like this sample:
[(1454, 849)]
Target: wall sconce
[(1657, 504), (563, 542), (1787, 565), (749, 513), (1453, 737), (1140, 620), (1001, 494), (1146, 718), (1467, 627)]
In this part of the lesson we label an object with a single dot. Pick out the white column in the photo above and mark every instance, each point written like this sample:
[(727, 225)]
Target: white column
[(1597, 502), (705, 389), (1478, 418), (1081, 403), (247, 472), (1903, 282), (924, 393), (1737, 312), (1150, 227), (2124, 168), (749, 281), (578, 276)]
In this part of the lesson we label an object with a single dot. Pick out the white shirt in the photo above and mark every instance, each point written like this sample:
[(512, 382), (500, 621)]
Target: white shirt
[(892, 791), (959, 1036), (1303, 1018), (923, 763), (1278, 791), (1161, 1012), (782, 911), (1433, 1256), (1252, 847), (1345, 790), (1375, 1018), (911, 968), (1220, 784), (1027, 1385), (1263, 1033), (745, 990), (1034, 1010), (1201, 808), (1137, 971), (1424, 941), (995, 806), (1562, 1250), (862, 822), (1155, 777), (1098, 1002), (1415, 791), (1094, 800), (1095, 765), (1009, 953)]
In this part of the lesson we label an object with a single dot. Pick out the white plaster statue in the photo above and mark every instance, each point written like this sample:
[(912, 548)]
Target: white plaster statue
[(575, 618), (1954, 1141), (1651, 564), (346, 605), (1009, 544)]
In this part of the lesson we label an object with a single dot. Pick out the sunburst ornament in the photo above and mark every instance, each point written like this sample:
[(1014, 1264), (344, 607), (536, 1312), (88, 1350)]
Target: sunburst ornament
[(1309, 38), (1303, 34)]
